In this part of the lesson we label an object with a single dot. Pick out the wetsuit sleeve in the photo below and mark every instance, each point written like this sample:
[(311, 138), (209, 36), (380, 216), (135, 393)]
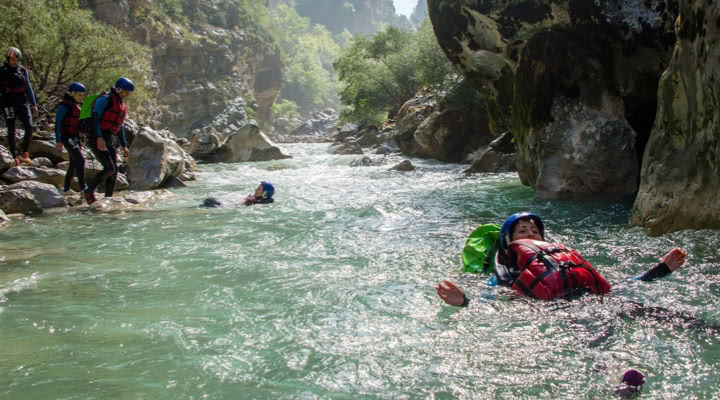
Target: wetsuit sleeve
[(466, 301), (659, 271), (100, 105), (61, 113), (123, 141), (28, 89)]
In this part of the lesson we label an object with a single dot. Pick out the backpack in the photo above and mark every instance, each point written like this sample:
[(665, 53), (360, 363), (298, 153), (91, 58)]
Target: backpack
[(86, 116), (478, 256)]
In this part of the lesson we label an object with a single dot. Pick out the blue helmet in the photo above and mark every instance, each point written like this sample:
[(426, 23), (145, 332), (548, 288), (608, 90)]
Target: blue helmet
[(125, 84), (77, 87), (268, 188), (509, 223)]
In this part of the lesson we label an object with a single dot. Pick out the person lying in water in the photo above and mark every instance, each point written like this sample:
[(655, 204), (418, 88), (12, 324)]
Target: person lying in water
[(546, 271), (263, 194)]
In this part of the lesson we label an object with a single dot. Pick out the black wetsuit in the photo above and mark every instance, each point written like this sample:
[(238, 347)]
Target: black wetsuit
[(16, 93)]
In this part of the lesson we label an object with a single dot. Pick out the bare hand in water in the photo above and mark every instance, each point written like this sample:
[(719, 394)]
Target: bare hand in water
[(675, 258), (450, 293)]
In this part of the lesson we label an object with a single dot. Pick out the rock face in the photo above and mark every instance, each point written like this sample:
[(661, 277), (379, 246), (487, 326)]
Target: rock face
[(319, 124), (681, 167), (205, 69), (532, 59), (357, 16), (446, 127)]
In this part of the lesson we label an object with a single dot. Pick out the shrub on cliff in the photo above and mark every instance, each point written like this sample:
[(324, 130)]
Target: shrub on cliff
[(62, 43), (381, 72)]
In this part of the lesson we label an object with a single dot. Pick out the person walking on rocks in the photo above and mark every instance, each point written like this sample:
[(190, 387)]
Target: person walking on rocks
[(109, 112), (15, 94), (67, 133)]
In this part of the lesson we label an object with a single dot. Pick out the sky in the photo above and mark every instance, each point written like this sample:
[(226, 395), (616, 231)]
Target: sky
[(405, 7)]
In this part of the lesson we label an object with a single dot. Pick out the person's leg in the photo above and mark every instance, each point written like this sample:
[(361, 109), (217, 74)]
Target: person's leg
[(77, 163), (111, 180), (10, 123), (23, 113)]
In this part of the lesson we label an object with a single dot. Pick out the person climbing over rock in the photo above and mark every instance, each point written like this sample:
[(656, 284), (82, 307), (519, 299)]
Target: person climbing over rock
[(109, 111), (538, 269), (263, 194), (67, 133), (15, 94)]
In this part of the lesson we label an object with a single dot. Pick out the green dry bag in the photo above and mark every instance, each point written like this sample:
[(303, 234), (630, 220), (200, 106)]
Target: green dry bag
[(479, 246), (86, 111)]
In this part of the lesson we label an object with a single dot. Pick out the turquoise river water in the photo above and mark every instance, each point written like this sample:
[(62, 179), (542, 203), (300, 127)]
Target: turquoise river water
[(328, 294)]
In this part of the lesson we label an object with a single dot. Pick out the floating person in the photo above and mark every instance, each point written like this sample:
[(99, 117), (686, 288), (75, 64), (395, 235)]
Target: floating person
[(533, 267), (263, 194), (67, 133), (15, 94), (109, 111)]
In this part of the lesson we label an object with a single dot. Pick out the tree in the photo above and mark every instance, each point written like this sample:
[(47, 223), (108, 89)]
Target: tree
[(382, 72), (61, 43)]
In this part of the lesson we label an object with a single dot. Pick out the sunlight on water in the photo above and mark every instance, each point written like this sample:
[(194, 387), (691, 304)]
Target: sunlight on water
[(328, 293)]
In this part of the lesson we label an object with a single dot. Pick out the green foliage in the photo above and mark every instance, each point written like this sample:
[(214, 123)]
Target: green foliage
[(62, 43), (309, 50), (285, 109), (173, 9), (381, 72)]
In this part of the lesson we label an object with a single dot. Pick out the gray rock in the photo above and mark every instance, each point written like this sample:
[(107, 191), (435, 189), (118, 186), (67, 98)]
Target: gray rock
[(19, 201), (6, 160), (154, 159), (42, 162), (345, 149), (47, 149), (403, 166), (47, 195), (247, 144), (52, 176), (490, 160), (366, 161)]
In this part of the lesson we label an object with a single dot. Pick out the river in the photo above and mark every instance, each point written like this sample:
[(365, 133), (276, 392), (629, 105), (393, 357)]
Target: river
[(328, 294)]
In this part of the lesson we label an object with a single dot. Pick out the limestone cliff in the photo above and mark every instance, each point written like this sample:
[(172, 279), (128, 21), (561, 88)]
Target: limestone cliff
[(357, 16), (575, 80), (212, 62), (681, 167)]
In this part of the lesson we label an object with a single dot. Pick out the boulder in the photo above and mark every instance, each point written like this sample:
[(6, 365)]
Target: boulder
[(413, 113), (204, 142), (47, 149), (52, 176), (366, 161), (19, 201), (154, 159), (403, 166), (247, 144), (489, 160), (3, 217), (345, 148), (6, 160), (47, 195)]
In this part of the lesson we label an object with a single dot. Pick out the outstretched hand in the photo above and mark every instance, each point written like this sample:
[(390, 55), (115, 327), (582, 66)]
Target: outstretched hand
[(450, 293), (675, 258)]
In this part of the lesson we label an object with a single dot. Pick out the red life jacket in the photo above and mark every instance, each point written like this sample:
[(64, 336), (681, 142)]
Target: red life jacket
[(551, 270), (70, 125), (114, 115)]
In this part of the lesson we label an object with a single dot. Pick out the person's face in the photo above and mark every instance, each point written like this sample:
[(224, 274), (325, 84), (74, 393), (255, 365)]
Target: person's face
[(124, 93), (79, 96), (526, 230), (259, 191), (13, 60)]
